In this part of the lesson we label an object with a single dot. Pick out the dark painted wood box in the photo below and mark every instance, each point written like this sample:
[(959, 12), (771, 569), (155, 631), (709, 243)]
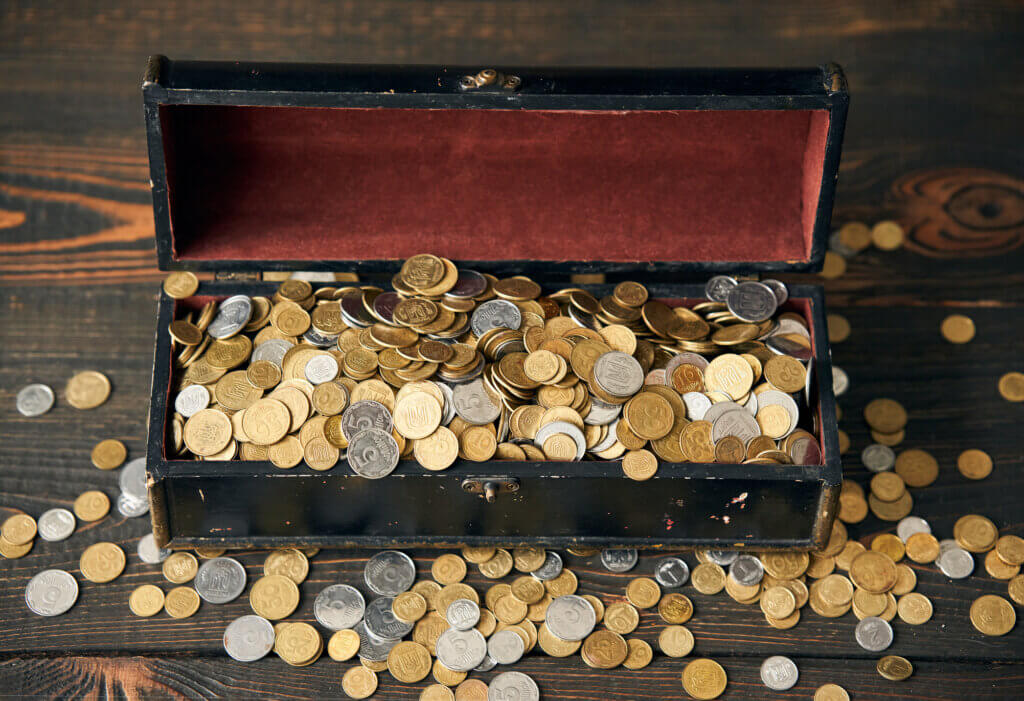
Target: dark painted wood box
[(670, 175)]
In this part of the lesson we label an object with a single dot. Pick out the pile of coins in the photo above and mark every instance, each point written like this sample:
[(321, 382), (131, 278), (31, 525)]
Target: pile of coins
[(456, 364)]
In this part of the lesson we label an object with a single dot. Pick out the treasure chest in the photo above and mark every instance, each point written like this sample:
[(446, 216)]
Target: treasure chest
[(668, 177)]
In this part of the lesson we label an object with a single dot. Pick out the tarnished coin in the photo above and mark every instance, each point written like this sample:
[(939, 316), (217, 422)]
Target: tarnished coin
[(779, 673), (671, 572), (463, 614), (34, 400), (475, 404), (878, 458), (389, 573), (372, 648), (873, 634), (339, 606), (220, 580), (373, 454), (149, 552), (249, 638), (231, 317), (752, 301), (619, 560), (746, 570), (363, 415), (570, 617), (461, 650), (718, 288), (505, 647), (56, 525), (513, 685), (495, 314), (51, 593), (551, 568)]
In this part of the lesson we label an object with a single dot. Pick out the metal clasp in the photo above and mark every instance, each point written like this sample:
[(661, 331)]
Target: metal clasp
[(490, 487), (490, 80)]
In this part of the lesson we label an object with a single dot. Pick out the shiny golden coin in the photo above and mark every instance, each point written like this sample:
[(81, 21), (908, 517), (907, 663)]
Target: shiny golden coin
[(873, 571), (448, 569), (695, 442), (471, 690), (957, 328), (528, 559), (730, 449), (621, 618), (914, 608), (147, 600), (359, 682), (834, 266), (185, 332), (19, 529), (729, 373), (838, 328), (417, 415), (181, 284), (11, 551), (639, 465), (604, 649), (181, 602), (428, 589), (320, 454), (299, 644), (708, 578), (478, 443), (477, 555), (409, 662), (508, 609), (773, 420), (895, 668), (274, 597), (409, 607), (630, 294), (675, 641), (918, 468), (290, 562), (778, 602), (784, 623), (343, 645), (286, 453), (704, 678), (563, 584), (922, 547), (639, 656), (553, 646), (998, 569), (867, 604), (643, 592), (831, 692), (374, 666), (438, 692), (887, 486), (885, 415), (785, 373), (1011, 386), (498, 566), (675, 608), (109, 454), (906, 580), (438, 451), (447, 677), (207, 432), (91, 506), (527, 589), (1010, 549), (180, 567), (449, 593), (891, 511), (102, 562), (974, 464), (834, 590), (887, 235), (329, 399), (263, 374), (890, 544), (1016, 589), (649, 415), (975, 533), (87, 390)]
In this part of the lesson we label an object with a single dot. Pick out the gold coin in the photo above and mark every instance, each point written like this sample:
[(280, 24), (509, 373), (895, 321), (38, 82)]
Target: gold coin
[(274, 597), (974, 464), (12, 551), (914, 608), (773, 420), (640, 654), (675, 608), (417, 415), (19, 529), (975, 533), (785, 373), (604, 649), (509, 609), (906, 580), (708, 578), (729, 373), (785, 565), (873, 571), (451, 592), (834, 266), (180, 567), (286, 453), (87, 390), (91, 506), (447, 677), (478, 443), (650, 415), (866, 604), (528, 559), (562, 585), (343, 645), (553, 646), (438, 451), (290, 562), (428, 589), (918, 468), (887, 235), (784, 623), (1011, 386), (621, 618), (208, 431), (181, 284), (890, 544), (855, 236), (320, 454), (528, 589), (675, 641), (1010, 549), (695, 442), (477, 555), (957, 328), (299, 644), (210, 553), (778, 602), (834, 590), (1016, 589), (922, 547), (820, 566), (831, 692), (998, 569), (471, 690), (448, 569), (838, 328), (895, 668), (438, 692), (885, 415), (887, 486), (704, 678), (409, 662), (358, 683), (109, 454), (147, 600), (409, 607), (102, 562), (181, 602), (264, 374), (498, 566), (643, 592), (639, 465), (374, 666)]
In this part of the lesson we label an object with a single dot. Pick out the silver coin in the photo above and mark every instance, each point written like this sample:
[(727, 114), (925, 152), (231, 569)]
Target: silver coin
[(372, 649), (878, 458), (380, 620), (779, 289), (389, 573), (746, 570), (780, 345), (232, 316), (469, 284), (719, 287), (34, 400), (149, 552), (220, 580), (462, 614), (722, 558), (51, 593), (551, 568), (272, 351), (619, 559), (947, 544), (955, 563), (130, 507), (751, 405), (487, 665), (474, 404), (563, 427), (449, 403), (363, 415), (192, 400), (495, 314), (461, 650), (132, 479), (752, 301), (717, 410), (910, 525), (373, 454), (513, 685), (505, 647), (570, 617), (619, 374), (775, 397), (321, 369), (313, 276), (581, 317), (873, 634), (671, 572), (249, 638), (697, 405), (779, 673), (601, 413), (840, 381), (737, 423), (55, 525), (315, 338), (339, 606), (788, 326)]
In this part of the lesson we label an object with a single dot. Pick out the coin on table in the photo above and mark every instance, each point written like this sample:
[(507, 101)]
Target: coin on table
[(91, 506), (181, 284), (19, 529), (975, 533), (675, 641), (974, 464), (878, 458), (708, 578), (381, 622), (448, 569), (109, 454), (274, 597), (885, 415), (640, 654), (675, 608), (922, 547), (1015, 589), (410, 607), (359, 682), (895, 668), (343, 645), (643, 592), (621, 560), (249, 638), (462, 614), (873, 634), (146, 601), (389, 573), (918, 468), (621, 617), (220, 580), (671, 572), (181, 602), (290, 562), (957, 328), (505, 647), (34, 400), (746, 570), (571, 617), (831, 692), (87, 390), (993, 615), (779, 673), (461, 650), (51, 593), (873, 571), (56, 525), (102, 562), (1009, 549), (1011, 386), (955, 563), (528, 589), (513, 685), (180, 567), (498, 566), (409, 662), (339, 606), (704, 678)]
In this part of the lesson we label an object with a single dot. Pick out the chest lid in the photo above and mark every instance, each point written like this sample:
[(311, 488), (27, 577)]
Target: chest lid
[(334, 167)]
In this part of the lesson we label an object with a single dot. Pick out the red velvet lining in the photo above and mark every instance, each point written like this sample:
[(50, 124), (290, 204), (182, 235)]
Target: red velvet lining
[(276, 183)]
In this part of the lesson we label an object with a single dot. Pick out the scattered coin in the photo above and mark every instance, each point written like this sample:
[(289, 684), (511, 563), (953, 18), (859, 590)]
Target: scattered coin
[(34, 400), (779, 673), (895, 668), (873, 634), (56, 525), (146, 600), (220, 580), (993, 615), (249, 638), (87, 390), (704, 678), (51, 593), (619, 560), (109, 454)]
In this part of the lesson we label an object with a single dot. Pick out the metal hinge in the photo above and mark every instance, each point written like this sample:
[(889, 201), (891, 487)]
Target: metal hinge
[(490, 487), (227, 275), (490, 80)]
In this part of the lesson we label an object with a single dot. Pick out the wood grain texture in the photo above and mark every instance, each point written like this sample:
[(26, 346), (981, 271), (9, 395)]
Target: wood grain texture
[(933, 140)]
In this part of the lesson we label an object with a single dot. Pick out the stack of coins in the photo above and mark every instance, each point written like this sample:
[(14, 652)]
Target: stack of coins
[(455, 364)]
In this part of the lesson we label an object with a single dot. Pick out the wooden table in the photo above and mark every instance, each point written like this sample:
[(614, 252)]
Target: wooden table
[(933, 141)]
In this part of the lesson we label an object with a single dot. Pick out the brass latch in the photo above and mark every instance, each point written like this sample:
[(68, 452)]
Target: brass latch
[(490, 487), (490, 79)]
